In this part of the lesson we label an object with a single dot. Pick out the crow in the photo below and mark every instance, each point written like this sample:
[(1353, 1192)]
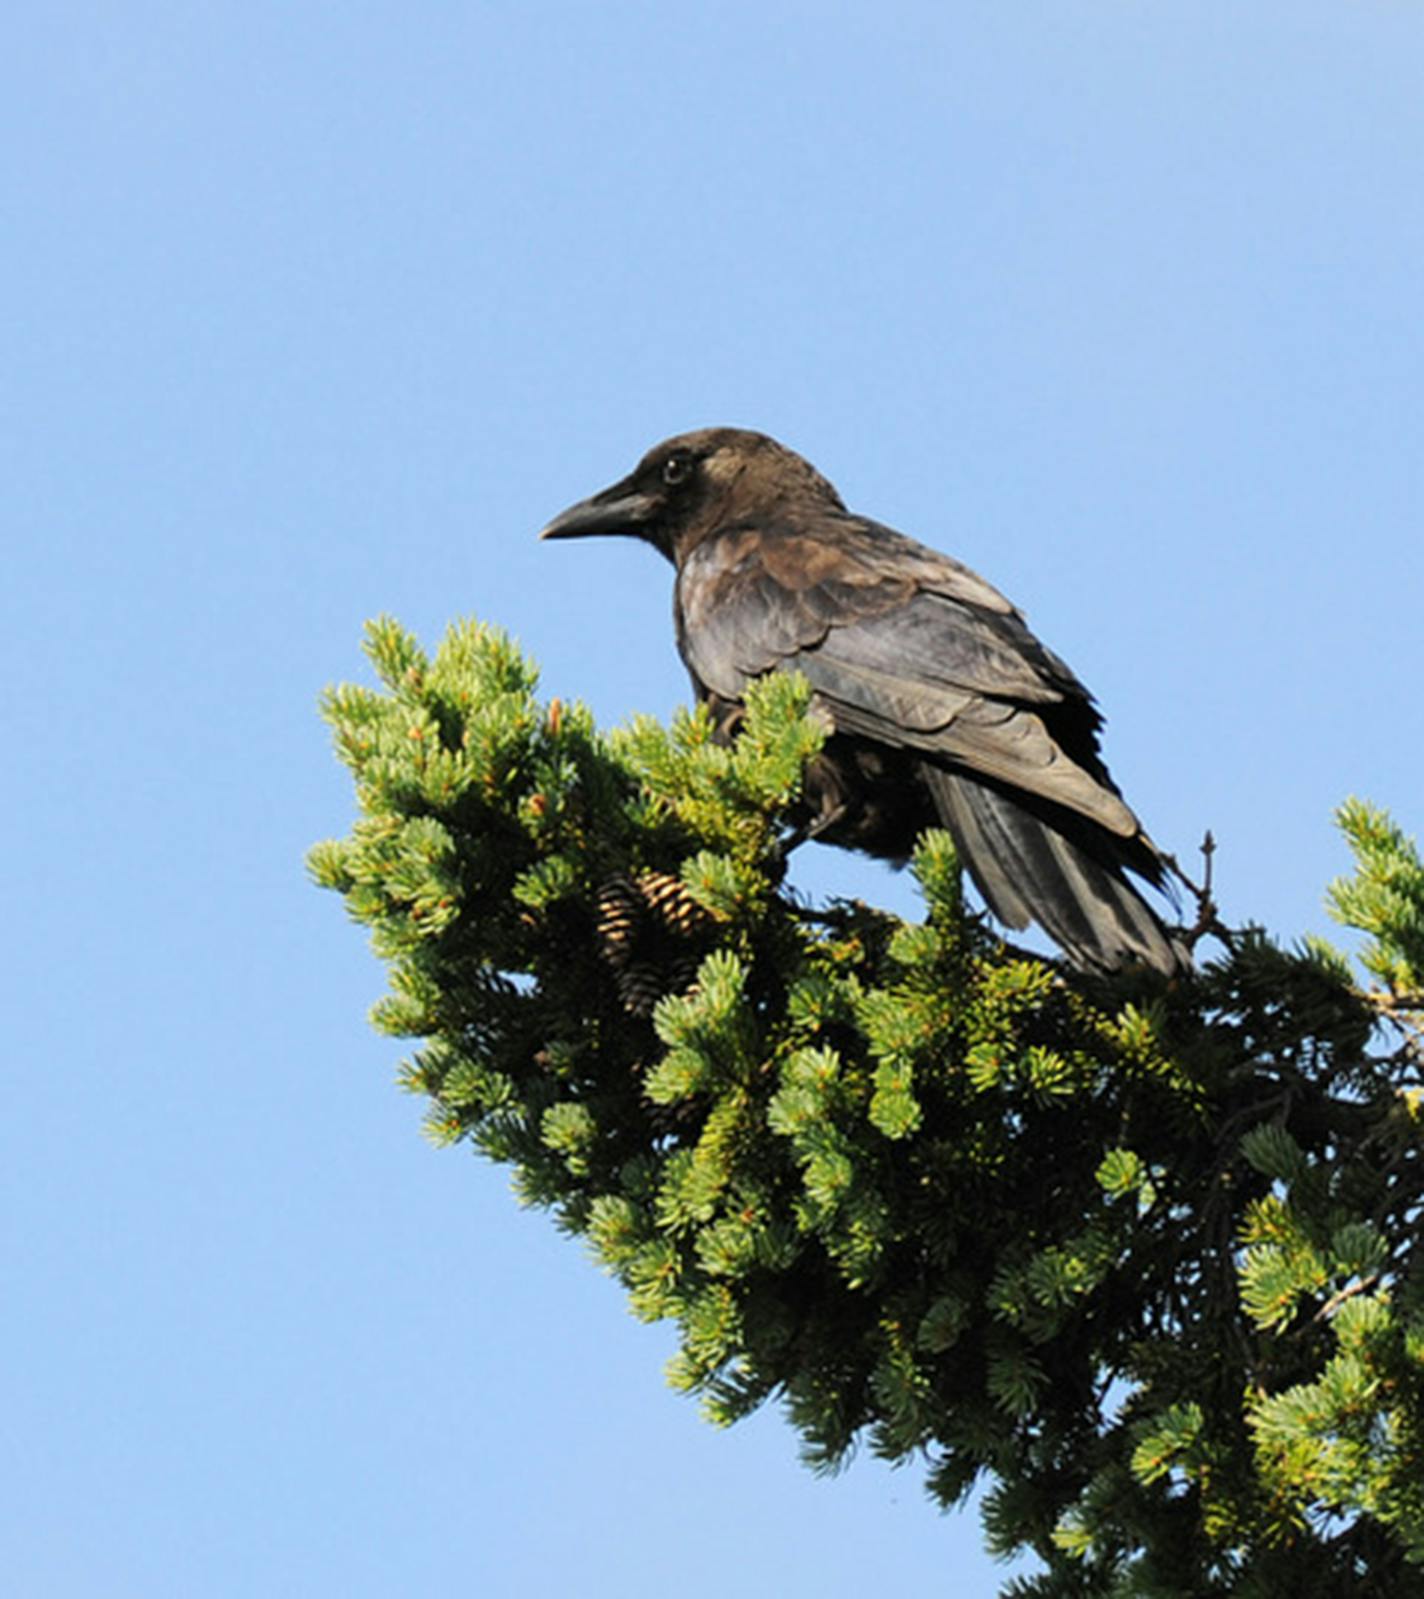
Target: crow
[(942, 707)]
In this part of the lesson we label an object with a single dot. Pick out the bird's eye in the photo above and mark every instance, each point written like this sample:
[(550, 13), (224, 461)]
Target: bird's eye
[(677, 469)]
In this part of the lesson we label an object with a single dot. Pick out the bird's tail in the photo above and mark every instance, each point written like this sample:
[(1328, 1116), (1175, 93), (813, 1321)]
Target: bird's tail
[(1059, 871)]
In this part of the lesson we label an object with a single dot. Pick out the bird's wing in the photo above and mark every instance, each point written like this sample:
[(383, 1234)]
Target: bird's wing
[(902, 646)]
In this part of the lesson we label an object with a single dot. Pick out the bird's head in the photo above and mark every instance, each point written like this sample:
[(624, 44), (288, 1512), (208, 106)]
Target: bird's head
[(691, 485)]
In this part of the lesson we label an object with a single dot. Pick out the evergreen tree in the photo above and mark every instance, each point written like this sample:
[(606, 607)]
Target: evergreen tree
[(1146, 1257)]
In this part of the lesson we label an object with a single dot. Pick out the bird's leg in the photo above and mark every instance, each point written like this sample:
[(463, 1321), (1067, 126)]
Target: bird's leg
[(822, 822), (830, 816), (825, 804)]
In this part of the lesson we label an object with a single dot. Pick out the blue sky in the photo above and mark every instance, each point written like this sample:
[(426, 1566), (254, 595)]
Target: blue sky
[(315, 311)]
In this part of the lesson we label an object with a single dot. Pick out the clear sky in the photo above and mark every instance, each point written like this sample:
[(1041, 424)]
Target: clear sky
[(317, 310)]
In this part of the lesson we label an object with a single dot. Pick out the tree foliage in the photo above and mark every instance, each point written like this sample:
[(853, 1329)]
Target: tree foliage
[(1145, 1257)]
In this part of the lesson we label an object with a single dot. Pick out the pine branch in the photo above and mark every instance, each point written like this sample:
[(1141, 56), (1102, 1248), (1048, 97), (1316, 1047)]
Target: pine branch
[(1147, 1256)]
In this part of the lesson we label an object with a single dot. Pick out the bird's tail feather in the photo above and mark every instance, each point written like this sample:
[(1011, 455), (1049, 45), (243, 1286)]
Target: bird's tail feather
[(1027, 869)]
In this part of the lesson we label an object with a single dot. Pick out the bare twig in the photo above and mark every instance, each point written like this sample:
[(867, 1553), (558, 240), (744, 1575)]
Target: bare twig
[(1361, 1285), (1207, 919), (1403, 1012), (1393, 1004)]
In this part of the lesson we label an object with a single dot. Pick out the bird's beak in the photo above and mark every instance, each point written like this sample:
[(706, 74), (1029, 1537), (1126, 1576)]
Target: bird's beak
[(621, 509)]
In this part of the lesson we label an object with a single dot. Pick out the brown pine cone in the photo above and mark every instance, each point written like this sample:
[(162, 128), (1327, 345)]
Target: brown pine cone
[(667, 897)]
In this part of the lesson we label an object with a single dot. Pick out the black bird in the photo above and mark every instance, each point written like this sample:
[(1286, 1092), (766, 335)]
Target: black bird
[(943, 708)]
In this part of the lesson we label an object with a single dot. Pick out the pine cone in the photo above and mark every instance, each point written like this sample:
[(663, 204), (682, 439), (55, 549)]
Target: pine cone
[(667, 897), (644, 928), (620, 911), (640, 987)]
